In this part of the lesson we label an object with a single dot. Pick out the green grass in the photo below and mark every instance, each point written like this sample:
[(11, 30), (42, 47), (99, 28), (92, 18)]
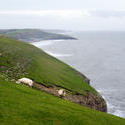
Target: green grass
[(20, 59), (16, 32), (21, 105)]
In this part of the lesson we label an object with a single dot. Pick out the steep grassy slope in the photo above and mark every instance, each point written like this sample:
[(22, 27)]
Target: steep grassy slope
[(21, 105), (19, 59)]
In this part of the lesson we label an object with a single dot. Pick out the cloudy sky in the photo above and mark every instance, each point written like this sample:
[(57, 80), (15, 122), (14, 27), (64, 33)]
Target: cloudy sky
[(63, 14)]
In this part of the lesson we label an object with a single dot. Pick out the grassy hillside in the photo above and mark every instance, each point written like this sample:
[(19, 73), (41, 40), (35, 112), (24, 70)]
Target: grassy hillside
[(19, 59), (21, 105)]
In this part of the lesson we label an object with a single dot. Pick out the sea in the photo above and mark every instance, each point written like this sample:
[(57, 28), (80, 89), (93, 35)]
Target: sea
[(100, 55)]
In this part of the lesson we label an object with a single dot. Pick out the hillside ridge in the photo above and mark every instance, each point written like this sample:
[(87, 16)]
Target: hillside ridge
[(34, 35)]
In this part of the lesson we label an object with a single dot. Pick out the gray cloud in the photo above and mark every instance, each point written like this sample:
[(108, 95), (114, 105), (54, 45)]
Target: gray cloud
[(108, 13), (84, 19)]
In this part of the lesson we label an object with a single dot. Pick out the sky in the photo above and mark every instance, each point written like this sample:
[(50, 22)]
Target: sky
[(63, 14)]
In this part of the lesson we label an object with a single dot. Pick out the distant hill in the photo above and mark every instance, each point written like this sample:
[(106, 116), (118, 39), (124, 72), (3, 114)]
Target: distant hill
[(34, 35)]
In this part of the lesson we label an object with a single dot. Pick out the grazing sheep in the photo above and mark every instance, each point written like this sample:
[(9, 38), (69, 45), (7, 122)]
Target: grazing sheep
[(61, 92), (26, 81)]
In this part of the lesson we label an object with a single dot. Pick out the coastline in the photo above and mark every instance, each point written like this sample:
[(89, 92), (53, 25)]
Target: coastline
[(42, 44), (61, 56)]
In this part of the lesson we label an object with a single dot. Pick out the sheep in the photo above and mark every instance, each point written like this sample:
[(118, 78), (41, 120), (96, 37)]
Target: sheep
[(26, 81), (61, 92)]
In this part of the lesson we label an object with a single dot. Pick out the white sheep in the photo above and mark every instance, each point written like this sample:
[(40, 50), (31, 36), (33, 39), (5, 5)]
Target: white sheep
[(26, 81), (61, 92)]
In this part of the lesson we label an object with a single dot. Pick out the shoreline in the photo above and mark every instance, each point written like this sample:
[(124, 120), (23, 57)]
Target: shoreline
[(59, 56)]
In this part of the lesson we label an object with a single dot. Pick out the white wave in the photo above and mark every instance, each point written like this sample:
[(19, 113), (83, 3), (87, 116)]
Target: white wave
[(43, 43), (59, 40), (119, 113), (112, 108), (57, 54), (115, 110), (46, 42)]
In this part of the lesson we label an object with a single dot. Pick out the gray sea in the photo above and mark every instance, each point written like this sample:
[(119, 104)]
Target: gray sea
[(101, 57)]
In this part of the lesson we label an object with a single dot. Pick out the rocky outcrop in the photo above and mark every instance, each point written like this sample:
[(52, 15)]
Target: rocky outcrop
[(92, 101)]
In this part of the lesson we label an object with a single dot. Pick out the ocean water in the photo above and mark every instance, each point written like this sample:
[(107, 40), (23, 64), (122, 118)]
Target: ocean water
[(101, 57)]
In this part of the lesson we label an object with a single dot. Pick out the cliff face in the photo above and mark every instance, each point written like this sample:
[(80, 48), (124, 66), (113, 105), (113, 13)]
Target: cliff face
[(94, 101)]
